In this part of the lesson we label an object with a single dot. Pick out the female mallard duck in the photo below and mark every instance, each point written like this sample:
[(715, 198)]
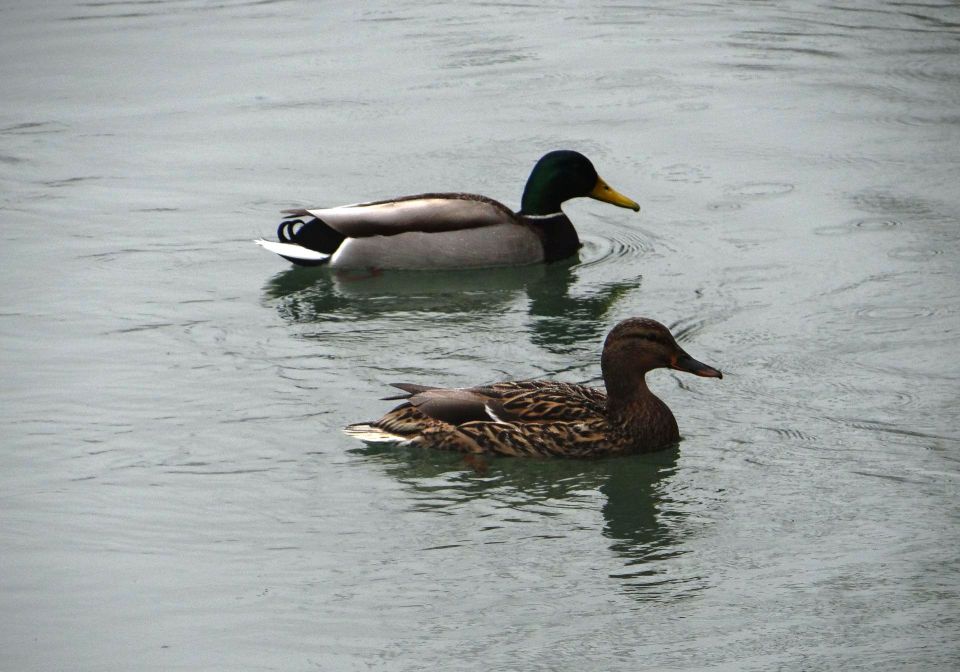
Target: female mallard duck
[(542, 418), (433, 231)]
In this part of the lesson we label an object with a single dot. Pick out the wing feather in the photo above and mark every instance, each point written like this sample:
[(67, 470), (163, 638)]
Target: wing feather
[(522, 418), (430, 213)]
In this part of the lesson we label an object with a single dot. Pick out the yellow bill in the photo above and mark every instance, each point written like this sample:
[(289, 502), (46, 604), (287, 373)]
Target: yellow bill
[(604, 192)]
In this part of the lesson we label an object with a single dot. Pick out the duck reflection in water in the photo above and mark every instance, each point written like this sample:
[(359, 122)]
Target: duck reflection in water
[(640, 520), (564, 315)]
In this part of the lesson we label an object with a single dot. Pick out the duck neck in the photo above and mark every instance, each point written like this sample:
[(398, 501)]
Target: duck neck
[(626, 394), (557, 235), (537, 199), (639, 413)]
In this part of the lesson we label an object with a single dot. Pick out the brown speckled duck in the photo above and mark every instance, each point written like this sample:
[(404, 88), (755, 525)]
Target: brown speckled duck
[(449, 230), (542, 418)]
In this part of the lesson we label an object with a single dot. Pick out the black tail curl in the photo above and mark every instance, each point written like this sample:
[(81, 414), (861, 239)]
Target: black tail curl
[(313, 234), (288, 229)]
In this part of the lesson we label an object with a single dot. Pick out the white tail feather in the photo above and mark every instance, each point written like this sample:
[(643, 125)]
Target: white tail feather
[(372, 434), (291, 251)]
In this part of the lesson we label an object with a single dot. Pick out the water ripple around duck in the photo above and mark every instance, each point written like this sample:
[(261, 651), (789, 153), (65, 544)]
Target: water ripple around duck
[(615, 247)]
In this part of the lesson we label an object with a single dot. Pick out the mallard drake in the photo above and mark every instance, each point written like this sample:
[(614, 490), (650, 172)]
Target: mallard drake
[(543, 418), (435, 231)]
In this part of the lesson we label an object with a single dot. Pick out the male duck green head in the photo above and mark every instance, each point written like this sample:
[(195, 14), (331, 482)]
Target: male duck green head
[(450, 230), (562, 175)]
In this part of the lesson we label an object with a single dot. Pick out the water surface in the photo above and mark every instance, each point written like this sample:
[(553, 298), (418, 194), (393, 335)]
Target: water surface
[(175, 490)]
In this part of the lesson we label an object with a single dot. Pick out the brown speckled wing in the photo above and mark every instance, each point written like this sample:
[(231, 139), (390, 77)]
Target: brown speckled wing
[(544, 401), (535, 419), (554, 439), (406, 420)]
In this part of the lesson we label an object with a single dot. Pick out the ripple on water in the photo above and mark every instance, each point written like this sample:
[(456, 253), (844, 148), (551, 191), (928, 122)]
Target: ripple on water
[(928, 70), (34, 128), (894, 313), (865, 225), (683, 172), (883, 202), (621, 245), (687, 329), (792, 434), (875, 224), (909, 253), (760, 189), (880, 426), (724, 206)]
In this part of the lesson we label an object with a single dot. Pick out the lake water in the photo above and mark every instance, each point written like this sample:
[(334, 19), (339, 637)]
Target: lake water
[(175, 493)]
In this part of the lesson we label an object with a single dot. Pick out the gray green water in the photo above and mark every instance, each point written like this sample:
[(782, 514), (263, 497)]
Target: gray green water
[(174, 489)]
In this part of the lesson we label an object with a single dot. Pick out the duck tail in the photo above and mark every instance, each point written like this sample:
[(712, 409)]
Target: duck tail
[(301, 228), (299, 255), (304, 239), (409, 389), (367, 432)]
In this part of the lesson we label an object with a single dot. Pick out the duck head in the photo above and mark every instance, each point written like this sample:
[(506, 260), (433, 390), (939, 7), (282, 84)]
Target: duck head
[(638, 345), (562, 175)]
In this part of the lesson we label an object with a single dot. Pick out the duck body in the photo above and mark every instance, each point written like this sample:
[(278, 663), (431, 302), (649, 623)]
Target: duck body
[(547, 418), (448, 230)]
